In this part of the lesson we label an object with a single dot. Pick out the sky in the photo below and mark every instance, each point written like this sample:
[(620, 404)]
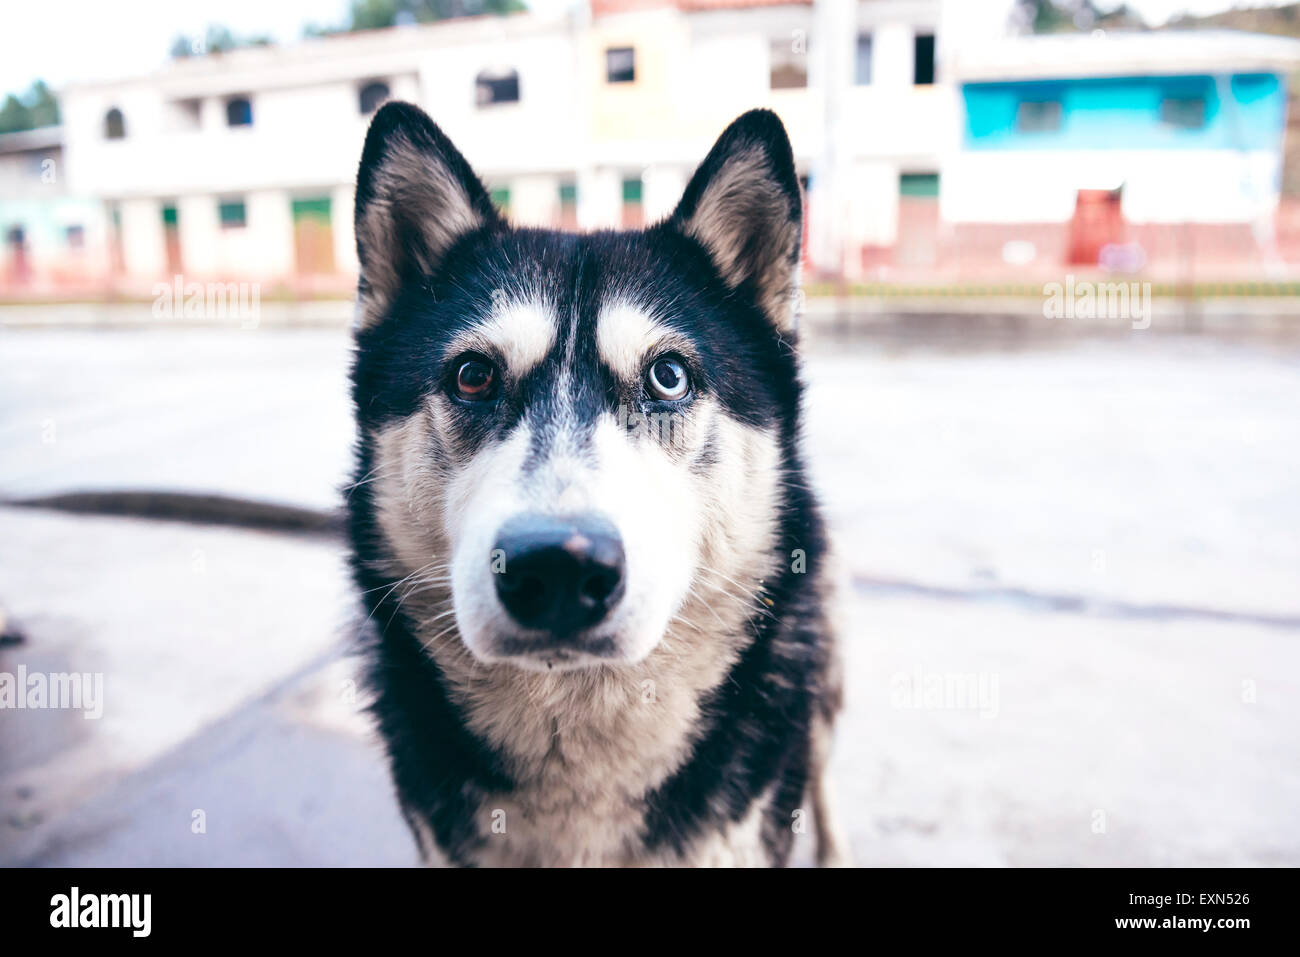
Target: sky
[(62, 40)]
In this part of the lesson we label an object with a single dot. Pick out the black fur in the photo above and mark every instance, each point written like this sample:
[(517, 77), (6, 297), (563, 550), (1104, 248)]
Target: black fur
[(756, 730)]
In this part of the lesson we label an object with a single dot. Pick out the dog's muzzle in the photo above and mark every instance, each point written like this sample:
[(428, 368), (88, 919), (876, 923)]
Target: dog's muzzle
[(558, 576)]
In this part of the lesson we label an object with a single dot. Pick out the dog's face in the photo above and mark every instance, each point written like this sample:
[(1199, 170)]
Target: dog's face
[(565, 434)]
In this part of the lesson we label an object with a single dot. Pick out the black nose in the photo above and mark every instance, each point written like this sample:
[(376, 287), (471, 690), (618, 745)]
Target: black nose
[(560, 574)]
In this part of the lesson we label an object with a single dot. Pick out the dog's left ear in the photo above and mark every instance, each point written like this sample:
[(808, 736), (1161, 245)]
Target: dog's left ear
[(743, 206)]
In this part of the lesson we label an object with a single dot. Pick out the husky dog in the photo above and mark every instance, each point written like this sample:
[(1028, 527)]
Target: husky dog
[(595, 574)]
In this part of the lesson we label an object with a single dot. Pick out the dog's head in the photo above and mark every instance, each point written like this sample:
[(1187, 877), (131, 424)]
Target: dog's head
[(570, 438)]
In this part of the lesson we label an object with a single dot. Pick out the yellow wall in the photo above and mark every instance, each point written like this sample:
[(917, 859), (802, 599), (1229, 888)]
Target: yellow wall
[(643, 109), (687, 88)]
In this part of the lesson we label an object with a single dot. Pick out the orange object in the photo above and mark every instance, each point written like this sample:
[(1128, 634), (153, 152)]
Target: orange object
[(1098, 221)]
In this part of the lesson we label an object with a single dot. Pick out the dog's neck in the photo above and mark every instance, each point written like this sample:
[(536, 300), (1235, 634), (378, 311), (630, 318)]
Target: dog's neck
[(583, 748), (577, 754), (613, 728)]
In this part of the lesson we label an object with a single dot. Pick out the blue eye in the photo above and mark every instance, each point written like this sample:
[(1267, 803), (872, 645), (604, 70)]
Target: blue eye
[(666, 379)]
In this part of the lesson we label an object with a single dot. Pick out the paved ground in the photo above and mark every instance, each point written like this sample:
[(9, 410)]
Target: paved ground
[(1073, 634)]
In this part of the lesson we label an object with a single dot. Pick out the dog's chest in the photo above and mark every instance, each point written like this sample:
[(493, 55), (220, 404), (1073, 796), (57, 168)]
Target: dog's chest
[(581, 794), (534, 828), (584, 802)]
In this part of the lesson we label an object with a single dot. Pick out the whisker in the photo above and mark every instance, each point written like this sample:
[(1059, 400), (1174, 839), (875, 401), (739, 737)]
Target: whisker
[(395, 585), (367, 479), (422, 568)]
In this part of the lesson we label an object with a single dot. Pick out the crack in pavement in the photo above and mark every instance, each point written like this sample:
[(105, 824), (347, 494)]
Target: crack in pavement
[(1064, 603)]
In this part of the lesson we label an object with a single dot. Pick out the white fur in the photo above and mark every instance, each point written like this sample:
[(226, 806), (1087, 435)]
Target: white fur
[(521, 332), (647, 497), (586, 739), (628, 338)]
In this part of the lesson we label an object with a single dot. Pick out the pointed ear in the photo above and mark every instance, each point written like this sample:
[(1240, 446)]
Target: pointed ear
[(743, 206), (416, 196)]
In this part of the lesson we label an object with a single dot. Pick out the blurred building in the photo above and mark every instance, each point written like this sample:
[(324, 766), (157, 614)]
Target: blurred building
[(240, 165), (1129, 146), (44, 225), (933, 143)]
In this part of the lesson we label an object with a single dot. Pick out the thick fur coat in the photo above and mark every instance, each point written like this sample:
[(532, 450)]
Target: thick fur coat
[(692, 725)]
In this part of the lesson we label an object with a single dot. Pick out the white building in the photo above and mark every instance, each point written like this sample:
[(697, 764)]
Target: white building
[(1187, 125), (43, 226), (933, 143), (240, 165)]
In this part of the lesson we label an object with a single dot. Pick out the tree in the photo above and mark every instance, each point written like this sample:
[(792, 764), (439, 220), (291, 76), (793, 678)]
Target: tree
[(33, 109), (42, 107), (377, 14), (182, 47), (1044, 16), (1065, 16), (217, 39), (14, 115)]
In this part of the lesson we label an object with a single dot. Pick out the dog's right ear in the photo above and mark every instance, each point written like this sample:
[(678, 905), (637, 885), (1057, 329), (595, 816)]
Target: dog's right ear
[(416, 196), (744, 207)]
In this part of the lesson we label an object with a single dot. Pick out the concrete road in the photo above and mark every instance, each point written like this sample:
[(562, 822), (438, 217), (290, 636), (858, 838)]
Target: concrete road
[(1072, 635)]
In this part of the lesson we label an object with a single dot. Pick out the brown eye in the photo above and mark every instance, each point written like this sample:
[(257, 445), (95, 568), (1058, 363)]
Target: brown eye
[(666, 379), (476, 379)]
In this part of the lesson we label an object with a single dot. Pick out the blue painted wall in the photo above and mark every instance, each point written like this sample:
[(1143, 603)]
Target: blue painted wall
[(1124, 113)]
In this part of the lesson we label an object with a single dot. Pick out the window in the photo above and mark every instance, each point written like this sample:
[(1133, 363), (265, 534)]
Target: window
[(923, 59), (313, 235), (862, 62), (233, 215), (500, 86), (919, 185), (75, 236), (114, 125), (568, 204), (372, 97), (183, 116), (620, 65), (1038, 116), (633, 216), (1183, 113), (239, 111), (316, 209), (789, 69)]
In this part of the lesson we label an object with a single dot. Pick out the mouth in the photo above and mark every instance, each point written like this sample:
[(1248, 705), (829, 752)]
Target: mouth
[(556, 653)]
